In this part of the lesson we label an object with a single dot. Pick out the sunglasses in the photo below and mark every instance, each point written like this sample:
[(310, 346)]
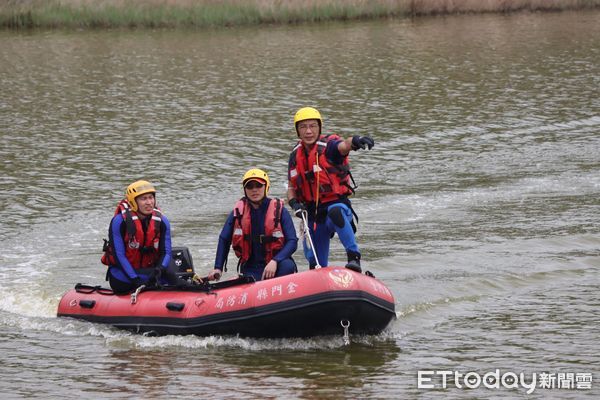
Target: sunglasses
[(254, 185)]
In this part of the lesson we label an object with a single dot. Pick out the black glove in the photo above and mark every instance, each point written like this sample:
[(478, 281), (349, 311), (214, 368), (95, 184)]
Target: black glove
[(137, 282), (298, 207), (154, 278), (156, 274), (362, 142)]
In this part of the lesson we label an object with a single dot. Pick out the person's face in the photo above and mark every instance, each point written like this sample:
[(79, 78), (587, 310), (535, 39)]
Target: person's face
[(255, 191), (145, 203), (309, 131)]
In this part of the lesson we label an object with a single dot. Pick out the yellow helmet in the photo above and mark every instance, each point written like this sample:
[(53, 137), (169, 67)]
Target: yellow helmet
[(136, 189), (307, 113), (256, 174)]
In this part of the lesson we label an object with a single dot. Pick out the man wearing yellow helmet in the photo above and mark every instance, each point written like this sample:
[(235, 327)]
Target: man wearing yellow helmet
[(320, 183), (138, 250), (260, 231)]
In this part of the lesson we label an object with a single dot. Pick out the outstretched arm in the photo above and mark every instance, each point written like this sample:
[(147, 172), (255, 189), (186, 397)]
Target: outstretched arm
[(355, 143)]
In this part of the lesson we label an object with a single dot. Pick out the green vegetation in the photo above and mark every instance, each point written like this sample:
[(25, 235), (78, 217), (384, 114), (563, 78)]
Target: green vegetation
[(18, 14)]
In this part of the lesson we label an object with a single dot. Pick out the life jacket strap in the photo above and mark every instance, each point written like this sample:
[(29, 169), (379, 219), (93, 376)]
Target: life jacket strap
[(260, 239), (278, 211)]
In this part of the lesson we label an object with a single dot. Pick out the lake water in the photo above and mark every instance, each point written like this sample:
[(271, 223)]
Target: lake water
[(479, 205)]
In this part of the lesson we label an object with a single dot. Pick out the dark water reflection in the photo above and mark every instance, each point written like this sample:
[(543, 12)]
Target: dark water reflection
[(478, 206)]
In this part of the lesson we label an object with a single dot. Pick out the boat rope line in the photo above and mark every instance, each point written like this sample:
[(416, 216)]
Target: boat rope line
[(304, 214), (135, 294), (204, 287)]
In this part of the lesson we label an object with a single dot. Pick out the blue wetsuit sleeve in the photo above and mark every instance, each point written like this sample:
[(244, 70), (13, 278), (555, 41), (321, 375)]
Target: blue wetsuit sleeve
[(165, 242), (224, 242), (119, 247), (291, 240), (332, 153)]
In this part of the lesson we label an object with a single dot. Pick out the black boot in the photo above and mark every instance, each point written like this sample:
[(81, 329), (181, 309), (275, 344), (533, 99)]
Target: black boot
[(354, 262)]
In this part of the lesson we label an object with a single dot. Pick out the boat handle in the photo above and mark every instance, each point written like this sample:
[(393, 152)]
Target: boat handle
[(87, 303), (346, 324), (175, 306)]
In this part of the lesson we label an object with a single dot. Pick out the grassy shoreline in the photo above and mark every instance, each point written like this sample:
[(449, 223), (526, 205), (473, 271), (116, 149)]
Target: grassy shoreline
[(77, 14)]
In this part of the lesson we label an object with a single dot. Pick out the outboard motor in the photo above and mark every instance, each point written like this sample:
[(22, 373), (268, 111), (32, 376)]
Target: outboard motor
[(181, 262)]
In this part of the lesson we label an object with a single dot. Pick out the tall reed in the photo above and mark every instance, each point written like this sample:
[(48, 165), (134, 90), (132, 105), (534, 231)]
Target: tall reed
[(215, 13)]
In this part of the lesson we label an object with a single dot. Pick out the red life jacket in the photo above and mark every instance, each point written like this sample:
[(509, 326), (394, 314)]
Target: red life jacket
[(272, 240), (141, 247), (308, 170)]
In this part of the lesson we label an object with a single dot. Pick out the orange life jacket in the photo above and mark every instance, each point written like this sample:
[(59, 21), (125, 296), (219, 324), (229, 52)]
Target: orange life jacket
[(272, 240), (316, 180), (141, 247)]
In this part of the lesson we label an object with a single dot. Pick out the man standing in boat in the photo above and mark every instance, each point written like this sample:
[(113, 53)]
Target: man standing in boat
[(319, 185), (261, 232), (138, 250)]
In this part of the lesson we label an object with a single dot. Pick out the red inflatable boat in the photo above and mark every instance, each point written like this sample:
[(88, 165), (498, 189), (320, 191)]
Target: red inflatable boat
[(331, 300)]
